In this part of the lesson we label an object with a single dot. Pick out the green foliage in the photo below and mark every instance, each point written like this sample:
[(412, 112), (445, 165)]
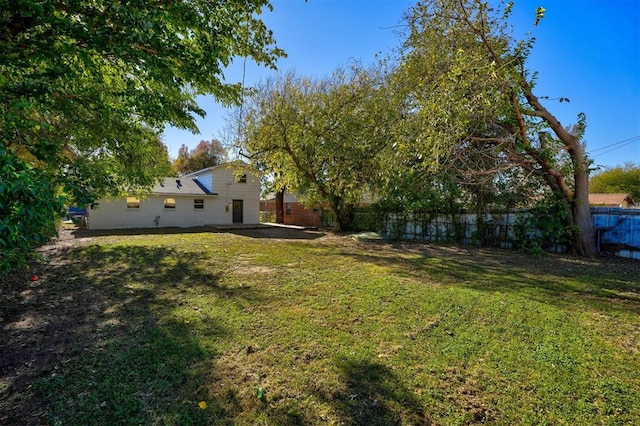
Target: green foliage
[(92, 75), (417, 191), (134, 166), (472, 112), (621, 179), (322, 137), (539, 15), (29, 209), (206, 154), (145, 58), (543, 227), (87, 87)]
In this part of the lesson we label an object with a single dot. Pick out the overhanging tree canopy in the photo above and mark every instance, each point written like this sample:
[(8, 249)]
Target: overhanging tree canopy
[(86, 87), (466, 83)]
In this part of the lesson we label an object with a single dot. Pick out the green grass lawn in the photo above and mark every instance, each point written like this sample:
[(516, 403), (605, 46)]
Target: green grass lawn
[(334, 331)]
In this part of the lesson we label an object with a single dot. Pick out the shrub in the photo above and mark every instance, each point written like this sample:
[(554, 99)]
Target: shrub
[(29, 208), (543, 227)]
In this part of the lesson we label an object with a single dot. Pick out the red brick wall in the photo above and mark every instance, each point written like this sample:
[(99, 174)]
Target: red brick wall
[(294, 213)]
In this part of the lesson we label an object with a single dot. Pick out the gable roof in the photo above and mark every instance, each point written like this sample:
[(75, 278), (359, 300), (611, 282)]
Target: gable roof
[(180, 186), (609, 199)]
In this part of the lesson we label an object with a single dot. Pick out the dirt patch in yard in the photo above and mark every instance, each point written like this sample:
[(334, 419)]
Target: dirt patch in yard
[(35, 325)]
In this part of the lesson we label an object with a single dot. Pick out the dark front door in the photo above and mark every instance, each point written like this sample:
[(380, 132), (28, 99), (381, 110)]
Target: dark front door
[(237, 211)]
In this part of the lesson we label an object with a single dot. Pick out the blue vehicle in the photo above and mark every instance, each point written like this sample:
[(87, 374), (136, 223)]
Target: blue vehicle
[(76, 211)]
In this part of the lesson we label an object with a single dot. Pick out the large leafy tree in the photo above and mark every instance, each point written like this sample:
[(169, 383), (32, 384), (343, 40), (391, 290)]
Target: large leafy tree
[(86, 87), (469, 178), (620, 179), (321, 137), (205, 154), (466, 84)]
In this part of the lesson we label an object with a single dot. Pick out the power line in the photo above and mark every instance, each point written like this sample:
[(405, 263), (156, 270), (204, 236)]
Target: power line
[(614, 146), (606, 152), (619, 146)]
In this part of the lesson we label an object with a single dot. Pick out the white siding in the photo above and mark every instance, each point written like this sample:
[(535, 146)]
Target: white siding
[(114, 214), (225, 185)]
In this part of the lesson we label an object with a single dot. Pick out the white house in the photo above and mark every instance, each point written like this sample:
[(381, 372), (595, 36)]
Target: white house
[(220, 195)]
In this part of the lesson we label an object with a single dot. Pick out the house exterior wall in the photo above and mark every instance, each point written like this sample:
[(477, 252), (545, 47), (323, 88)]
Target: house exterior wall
[(295, 213), (114, 213), (298, 214), (218, 209), (228, 189)]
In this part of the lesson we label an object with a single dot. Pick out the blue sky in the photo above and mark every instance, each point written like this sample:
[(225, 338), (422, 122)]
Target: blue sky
[(586, 50)]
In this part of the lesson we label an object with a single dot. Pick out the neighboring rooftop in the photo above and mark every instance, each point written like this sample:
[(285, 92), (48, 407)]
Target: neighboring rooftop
[(615, 200)]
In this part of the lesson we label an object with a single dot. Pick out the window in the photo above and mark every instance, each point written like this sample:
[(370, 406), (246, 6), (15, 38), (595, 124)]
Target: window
[(242, 179), (288, 210), (198, 204), (169, 203), (133, 202)]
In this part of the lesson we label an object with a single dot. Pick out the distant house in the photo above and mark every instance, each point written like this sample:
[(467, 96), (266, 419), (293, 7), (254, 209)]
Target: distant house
[(297, 213), (221, 195), (294, 212), (611, 200)]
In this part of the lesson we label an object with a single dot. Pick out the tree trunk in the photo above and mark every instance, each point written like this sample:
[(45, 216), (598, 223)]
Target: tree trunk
[(584, 242), (280, 206), (344, 216)]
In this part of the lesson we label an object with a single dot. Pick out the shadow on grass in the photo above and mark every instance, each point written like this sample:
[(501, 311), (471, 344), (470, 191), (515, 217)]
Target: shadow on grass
[(279, 233), (99, 341), (375, 396), (599, 283), (258, 231), (82, 233)]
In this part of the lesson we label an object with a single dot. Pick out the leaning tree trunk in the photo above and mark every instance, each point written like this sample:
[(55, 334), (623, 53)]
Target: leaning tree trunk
[(584, 241)]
